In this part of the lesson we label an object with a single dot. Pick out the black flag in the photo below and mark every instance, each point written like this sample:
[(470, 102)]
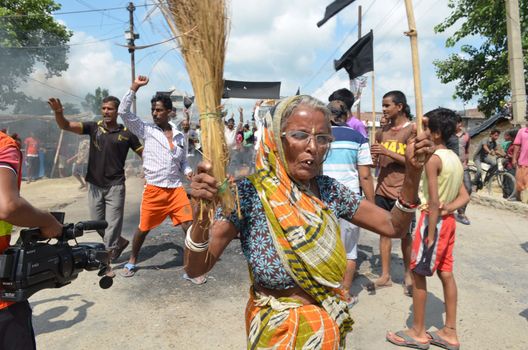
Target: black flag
[(251, 89), (359, 59), (333, 9)]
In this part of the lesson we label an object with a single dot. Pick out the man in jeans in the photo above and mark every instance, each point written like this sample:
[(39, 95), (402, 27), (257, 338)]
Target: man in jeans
[(109, 146), (485, 153)]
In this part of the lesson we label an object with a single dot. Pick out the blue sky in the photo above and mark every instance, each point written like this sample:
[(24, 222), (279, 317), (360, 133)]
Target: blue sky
[(269, 40)]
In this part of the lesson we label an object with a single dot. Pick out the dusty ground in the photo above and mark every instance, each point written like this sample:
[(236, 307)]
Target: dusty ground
[(156, 309)]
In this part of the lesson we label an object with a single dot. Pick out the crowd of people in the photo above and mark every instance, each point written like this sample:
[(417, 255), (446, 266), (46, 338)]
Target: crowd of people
[(307, 180)]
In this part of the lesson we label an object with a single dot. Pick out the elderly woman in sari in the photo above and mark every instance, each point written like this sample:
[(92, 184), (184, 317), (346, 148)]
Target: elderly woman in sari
[(289, 229)]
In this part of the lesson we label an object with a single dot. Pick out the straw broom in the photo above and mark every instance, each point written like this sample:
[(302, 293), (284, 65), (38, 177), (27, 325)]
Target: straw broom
[(202, 28)]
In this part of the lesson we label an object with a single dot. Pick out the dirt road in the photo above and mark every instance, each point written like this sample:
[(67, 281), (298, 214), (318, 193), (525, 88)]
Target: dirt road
[(157, 309)]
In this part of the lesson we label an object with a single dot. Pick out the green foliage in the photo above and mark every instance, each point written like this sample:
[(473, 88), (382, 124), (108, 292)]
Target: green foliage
[(36, 106), (92, 103), (480, 71), (29, 36)]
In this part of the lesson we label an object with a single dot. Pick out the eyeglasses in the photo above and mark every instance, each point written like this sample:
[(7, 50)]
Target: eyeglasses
[(298, 136)]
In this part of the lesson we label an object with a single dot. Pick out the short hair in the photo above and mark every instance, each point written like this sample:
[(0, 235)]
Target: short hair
[(164, 99), (512, 133), (113, 99), (344, 95), (458, 118), (442, 120), (494, 131), (231, 120), (338, 110), (398, 97)]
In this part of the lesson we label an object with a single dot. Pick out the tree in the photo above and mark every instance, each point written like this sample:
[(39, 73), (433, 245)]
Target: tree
[(37, 106), (480, 71), (92, 102), (29, 35)]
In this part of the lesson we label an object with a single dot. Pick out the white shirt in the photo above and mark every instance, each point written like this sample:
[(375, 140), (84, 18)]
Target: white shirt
[(163, 167), (230, 137)]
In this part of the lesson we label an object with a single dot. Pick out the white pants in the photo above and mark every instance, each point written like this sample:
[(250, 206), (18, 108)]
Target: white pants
[(350, 238)]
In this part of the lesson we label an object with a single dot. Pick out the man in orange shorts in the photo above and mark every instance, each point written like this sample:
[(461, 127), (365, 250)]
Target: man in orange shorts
[(164, 164)]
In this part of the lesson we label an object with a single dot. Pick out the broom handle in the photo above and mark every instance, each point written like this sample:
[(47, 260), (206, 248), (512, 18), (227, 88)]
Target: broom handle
[(413, 35)]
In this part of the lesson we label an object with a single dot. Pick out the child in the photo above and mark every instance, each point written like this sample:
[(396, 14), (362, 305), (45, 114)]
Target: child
[(432, 248)]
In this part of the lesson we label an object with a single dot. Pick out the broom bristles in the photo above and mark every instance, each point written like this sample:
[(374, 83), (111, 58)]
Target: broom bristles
[(203, 48)]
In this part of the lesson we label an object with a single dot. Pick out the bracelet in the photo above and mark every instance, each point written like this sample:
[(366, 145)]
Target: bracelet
[(193, 246), (408, 204), (403, 208)]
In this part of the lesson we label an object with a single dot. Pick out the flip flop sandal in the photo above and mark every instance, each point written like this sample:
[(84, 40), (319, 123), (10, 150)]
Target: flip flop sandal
[(437, 340), (196, 280), (129, 270), (408, 341), (373, 286)]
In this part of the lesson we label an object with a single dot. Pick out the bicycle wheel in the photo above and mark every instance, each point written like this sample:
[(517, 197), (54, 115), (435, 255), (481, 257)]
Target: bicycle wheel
[(502, 183)]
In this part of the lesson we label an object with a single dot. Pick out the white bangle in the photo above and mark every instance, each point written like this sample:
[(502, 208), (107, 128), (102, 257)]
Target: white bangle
[(193, 246), (401, 207)]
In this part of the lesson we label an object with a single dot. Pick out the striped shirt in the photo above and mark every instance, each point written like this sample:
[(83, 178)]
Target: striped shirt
[(163, 167), (349, 150)]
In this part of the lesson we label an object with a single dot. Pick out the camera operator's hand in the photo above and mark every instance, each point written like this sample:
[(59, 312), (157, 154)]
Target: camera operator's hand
[(52, 229)]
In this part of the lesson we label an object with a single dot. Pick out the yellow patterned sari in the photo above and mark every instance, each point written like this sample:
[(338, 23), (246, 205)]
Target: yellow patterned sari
[(306, 236)]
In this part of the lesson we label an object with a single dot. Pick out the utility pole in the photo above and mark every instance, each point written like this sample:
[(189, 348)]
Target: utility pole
[(130, 36), (515, 62), (359, 89)]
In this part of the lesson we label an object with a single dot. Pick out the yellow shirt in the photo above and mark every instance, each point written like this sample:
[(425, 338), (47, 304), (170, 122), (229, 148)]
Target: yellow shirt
[(449, 179)]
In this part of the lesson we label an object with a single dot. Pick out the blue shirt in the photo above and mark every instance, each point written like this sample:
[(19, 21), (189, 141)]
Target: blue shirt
[(349, 150)]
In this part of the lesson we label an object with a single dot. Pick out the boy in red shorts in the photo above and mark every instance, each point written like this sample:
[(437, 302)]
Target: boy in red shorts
[(432, 246)]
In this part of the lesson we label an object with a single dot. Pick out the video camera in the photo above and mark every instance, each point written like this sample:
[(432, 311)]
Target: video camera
[(31, 264)]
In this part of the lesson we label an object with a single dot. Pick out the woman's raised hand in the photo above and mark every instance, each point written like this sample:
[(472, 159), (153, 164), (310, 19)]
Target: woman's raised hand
[(203, 185)]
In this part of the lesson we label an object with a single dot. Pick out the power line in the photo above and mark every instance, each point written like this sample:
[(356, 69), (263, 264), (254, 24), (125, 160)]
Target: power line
[(61, 46), (91, 9), (56, 88)]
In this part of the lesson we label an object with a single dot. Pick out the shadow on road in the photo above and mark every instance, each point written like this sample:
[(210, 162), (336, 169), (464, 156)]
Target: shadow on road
[(48, 321), (434, 312), (524, 246), (524, 314), (151, 251)]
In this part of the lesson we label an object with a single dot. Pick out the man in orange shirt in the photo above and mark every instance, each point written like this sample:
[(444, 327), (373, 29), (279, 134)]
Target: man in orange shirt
[(32, 157)]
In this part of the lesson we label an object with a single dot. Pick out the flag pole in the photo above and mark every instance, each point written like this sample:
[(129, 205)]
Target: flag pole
[(359, 89), (373, 130), (413, 35)]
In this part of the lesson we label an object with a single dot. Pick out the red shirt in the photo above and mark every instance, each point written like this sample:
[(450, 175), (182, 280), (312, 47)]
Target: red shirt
[(10, 158), (32, 146)]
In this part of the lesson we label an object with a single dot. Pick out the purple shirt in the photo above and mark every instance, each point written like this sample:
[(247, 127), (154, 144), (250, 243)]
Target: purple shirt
[(357, 125)]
